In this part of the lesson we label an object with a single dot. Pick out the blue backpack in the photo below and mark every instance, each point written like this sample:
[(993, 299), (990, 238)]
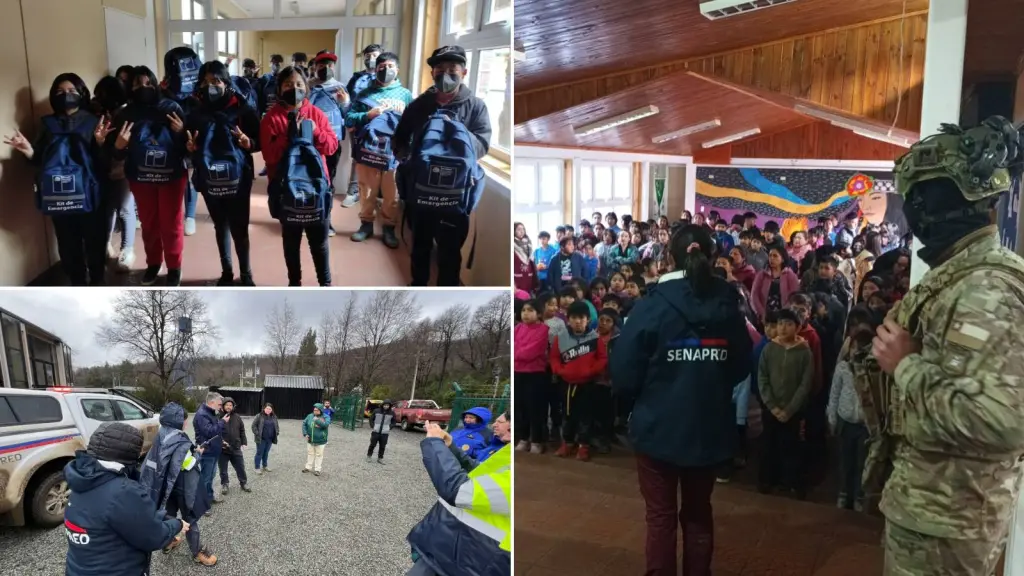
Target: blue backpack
[(443, 175), (154, 154), (243, 88), (364, 81), (373, 143), (67, 183), (269, 92), (219, 160), (183, 76), (325, 101), (305, 189)]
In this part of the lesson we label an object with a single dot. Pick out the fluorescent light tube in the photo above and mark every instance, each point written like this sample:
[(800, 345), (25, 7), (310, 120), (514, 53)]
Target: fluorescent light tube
[(896, 140), (594, 128), (715, 9), (687, 131), (732, 138)]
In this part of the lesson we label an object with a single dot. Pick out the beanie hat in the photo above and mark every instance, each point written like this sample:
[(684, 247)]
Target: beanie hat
[(116, 442)]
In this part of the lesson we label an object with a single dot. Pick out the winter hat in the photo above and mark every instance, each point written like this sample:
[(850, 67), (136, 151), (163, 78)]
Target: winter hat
[(522, 295), (228, 400), (173, 416), (116, 442)]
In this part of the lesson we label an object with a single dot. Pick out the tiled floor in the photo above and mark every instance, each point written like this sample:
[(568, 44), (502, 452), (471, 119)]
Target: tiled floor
[(575, 518)]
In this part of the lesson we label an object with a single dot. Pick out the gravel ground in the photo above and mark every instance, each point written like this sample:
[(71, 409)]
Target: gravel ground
[(351, 520)]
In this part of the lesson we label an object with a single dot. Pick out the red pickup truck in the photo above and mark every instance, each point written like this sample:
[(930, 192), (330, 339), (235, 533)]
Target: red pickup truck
[(416, 413)]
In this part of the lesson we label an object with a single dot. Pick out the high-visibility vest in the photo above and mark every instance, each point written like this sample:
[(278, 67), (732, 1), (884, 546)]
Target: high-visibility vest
[(484, 502)]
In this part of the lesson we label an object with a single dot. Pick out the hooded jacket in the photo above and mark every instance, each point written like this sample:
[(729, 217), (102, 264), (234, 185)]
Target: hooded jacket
[(234, 433), (679, 358), (531, 349), (111, 523), (315, 427), (578, 358), (209, 430), (383, 419), (564, 267), (170, 469), (785, 375), (466, 107), (473, 438)]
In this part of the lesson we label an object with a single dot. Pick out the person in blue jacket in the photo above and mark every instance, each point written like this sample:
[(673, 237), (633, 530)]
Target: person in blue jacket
[(542, 256), (565, 265), (110, 521), (208, 425), (328, 411), (473, 435), (678, 358)]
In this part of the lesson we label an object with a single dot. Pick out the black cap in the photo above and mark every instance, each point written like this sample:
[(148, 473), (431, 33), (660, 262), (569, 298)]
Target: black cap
[(248, 63), (447, 54), (116, 442)]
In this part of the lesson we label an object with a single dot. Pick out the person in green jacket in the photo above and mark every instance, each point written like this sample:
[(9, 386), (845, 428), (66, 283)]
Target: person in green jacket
[(314, 429)]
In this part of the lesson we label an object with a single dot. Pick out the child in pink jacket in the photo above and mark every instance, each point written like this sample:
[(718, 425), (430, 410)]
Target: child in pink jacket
[(533, 381)]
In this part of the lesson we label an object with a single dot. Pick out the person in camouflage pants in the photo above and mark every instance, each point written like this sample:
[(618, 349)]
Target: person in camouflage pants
[(954, 347)]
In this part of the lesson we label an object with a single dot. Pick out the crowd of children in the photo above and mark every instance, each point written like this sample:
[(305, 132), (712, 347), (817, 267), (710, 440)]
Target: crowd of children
[(812, 305), (158, 144)]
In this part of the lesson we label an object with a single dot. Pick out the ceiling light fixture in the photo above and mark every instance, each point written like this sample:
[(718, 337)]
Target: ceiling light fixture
[(717, 9), (709, 125), (600, 126), (732, 138), (895, 140)]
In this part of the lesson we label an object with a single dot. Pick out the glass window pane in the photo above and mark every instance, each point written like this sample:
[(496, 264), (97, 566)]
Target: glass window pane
[(622, 210), (130, 411), (41, 349), (384, 37), (6, 414), (233, 43), (531, 221), (191, 39), (623, 181), (550, 220), (492, 85), (35, 409), (526, 184), (222, 41), (255, 8), (320, 9), (463, 16), (374, 8), (551, 184), (586, 184), (602, 183), (96, 409), (197, 10), (501, 10)]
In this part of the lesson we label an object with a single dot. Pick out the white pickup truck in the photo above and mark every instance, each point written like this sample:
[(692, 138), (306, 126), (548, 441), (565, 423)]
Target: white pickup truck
[(40, 430)]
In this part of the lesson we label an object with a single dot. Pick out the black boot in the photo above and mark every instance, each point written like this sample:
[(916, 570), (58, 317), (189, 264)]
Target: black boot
[(390, 240), (365, 231)]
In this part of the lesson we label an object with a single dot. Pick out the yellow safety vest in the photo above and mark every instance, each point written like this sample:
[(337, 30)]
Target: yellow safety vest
[(484, 503)]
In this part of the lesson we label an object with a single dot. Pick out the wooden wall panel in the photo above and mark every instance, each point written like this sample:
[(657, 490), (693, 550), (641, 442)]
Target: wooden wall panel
[(856, 69), (818, 141)]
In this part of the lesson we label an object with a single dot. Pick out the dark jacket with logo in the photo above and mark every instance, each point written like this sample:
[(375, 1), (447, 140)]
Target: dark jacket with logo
[(234, 435), (578, 358), (465, 107), (208, 426), (678, 357), (111, 523), (564, 267)]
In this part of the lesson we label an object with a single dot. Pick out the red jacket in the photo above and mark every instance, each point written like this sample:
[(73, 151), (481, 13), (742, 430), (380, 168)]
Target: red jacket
[(578, 359), (274, 134), (524, 274), (808, 333)]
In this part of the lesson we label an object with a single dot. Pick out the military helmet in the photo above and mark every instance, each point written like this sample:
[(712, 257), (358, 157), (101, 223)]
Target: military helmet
[(977, 159)]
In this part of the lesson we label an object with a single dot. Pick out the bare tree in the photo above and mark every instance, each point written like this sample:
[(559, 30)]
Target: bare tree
[(146, 325), (447, 329), (382, 321), (336, 339), (282, 336), (487, 334), (420, 352)]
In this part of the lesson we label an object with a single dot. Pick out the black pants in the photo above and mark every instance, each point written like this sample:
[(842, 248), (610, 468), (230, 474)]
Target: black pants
[(449, 232), (82, 246), (556, 403), (237, 462), (783, 460), (531, 395), (316, 234), (853, 451), (579, 414), (604, 413), (375, 439), (353, 183), (230, 215), (332, 165)]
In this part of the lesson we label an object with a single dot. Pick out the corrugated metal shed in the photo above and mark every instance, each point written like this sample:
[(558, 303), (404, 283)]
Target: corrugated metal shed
[(248, 401), (300, 382)]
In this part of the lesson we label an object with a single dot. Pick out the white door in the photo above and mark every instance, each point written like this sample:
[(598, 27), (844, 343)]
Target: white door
[(126, 40)]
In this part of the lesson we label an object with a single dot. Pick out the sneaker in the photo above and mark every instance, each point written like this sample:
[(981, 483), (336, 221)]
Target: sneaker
[(317, 473), (390, 240), (564, 451), (259, 471), (174, 277), (205, 558), (305, 470), (536, 448), (208, 513), (522, 446), (111, 251), (722, 479), (217, 499), (264, 171), (365, 231), (245, 488), (126, 259), (226, 279), (583, 454), (247, 280), (190, 226), (369, 458), (350, 200), (380, 460), (152, 273), (174, 544), (858, 505), (841, 501), (266, 468), (224, 489), (330, 231)]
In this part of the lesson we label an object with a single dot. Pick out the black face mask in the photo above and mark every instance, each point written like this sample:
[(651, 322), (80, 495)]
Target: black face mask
[(67, 101), (447, 83), (939, 216), (325, 74), (293, 97), (387, 75), (146, 95), (250, 73)]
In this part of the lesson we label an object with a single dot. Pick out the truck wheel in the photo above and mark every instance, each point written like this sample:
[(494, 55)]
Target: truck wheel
[(405, 425), (49, 500)]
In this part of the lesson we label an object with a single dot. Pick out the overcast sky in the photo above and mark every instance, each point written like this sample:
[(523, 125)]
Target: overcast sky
[(74, 314)]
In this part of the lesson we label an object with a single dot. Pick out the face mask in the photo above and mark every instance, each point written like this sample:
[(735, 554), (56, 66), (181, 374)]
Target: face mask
[(370, 63), (146, 95), (214, 93), (447, 83), (293, 97), (250, 73), (325, 74), (387, 75), (275, 68), (70, 101)]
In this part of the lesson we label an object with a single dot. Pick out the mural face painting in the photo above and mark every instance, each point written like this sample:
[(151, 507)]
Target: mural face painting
[(797, 198)]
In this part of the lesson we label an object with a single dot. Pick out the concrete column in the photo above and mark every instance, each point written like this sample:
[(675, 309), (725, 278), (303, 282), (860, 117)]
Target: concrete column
[(943, 80)]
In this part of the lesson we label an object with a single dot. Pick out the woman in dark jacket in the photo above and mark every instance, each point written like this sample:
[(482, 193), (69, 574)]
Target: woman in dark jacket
[(264, 433), (678, 358)]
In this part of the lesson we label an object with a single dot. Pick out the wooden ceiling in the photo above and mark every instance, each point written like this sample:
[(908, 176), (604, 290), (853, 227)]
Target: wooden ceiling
[(995, 40), (570, 40)]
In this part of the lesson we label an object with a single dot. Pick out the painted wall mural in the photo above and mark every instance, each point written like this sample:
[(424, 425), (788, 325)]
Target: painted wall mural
[(797, 198)]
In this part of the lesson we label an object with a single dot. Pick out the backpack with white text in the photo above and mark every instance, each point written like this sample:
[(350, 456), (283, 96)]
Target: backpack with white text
[(219, 160), (443, 175), (67, 183), (155, 155), (327, 104), (302, 182), (372, 145)]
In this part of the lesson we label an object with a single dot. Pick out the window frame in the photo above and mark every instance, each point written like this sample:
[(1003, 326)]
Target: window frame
[(222, 51), (42, 399), (538, 206), (583, 209), (121, 417), (110, 403)]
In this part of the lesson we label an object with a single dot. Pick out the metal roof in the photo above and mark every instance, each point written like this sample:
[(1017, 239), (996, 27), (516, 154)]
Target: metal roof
[(238, 389), (303, 382)]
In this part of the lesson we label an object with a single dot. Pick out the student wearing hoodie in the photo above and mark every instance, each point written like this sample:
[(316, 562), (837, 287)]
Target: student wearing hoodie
[(473, 435), (533, 390), (265, 429), (171, 475), (234, 441), (315, 428), (785, 377), (359, 81), (109, 521), (381, 422), (578, 357), (385, 94), (676, 361), (565, 265)]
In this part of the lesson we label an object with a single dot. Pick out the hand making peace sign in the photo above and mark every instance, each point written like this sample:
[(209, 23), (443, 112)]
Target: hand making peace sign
[(124, 136), (103, 129), (243, 140), (190, 142), (20, 143), (177, 125)]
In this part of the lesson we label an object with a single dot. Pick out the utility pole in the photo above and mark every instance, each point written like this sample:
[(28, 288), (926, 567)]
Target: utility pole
[(415, 373)]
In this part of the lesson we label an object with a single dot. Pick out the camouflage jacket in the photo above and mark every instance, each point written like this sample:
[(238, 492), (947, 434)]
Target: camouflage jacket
[(960, 401)]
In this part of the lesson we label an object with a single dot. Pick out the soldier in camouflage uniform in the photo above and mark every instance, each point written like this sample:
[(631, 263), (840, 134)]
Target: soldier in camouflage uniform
[(954, 346)]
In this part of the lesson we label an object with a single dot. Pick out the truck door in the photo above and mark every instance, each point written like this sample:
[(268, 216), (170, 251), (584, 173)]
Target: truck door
[(136, 417), (96, 412)]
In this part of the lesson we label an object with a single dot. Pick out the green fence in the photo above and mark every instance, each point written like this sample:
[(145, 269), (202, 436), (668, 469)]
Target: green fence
[(466, 399), (348, 411)]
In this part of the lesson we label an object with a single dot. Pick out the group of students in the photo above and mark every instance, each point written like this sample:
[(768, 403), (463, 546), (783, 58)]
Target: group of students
[(139, 143)]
